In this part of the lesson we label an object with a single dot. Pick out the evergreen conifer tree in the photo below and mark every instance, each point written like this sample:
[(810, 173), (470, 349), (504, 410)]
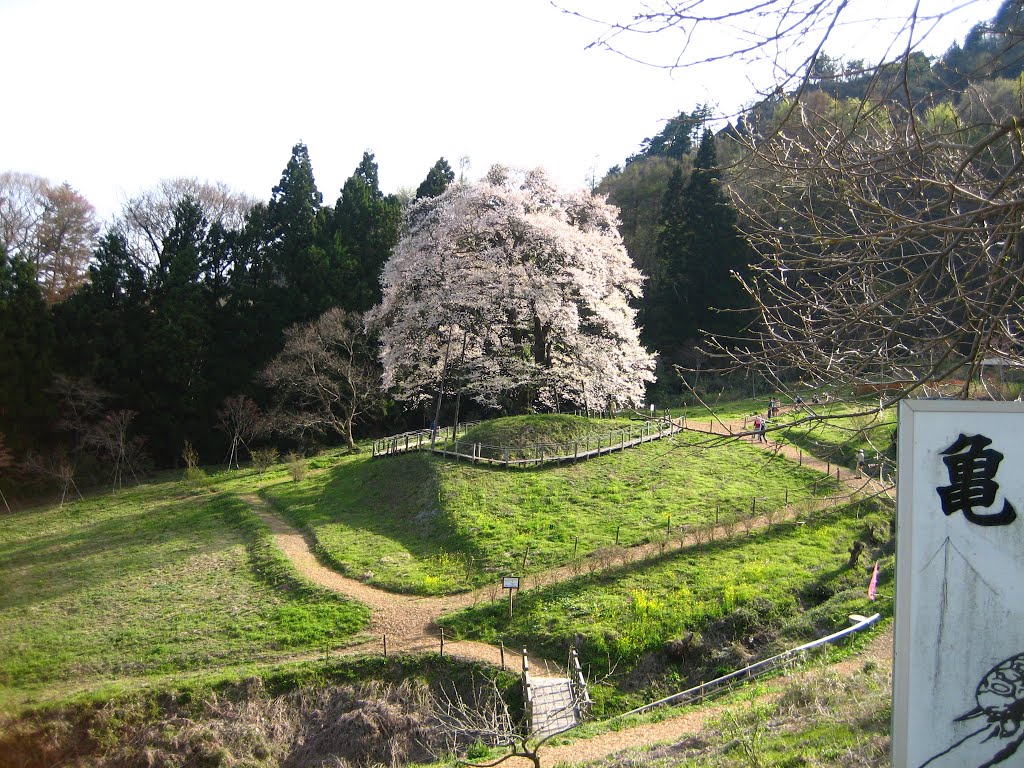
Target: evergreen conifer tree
[(363, 232), (26, 351), (437, 181)]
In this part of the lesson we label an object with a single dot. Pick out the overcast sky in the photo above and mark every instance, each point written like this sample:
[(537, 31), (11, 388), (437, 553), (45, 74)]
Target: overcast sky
[(114, 95)]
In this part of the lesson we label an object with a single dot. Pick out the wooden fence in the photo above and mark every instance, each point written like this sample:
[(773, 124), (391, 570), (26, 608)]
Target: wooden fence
[(450, 446)]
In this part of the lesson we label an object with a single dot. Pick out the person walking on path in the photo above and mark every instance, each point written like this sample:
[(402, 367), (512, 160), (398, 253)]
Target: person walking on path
[(760, 425), (860, 462)]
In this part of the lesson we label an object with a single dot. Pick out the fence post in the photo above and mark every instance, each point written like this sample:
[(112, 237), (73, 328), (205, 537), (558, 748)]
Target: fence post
[(575, 546), (442, 641), (501, 646), (787, 497), (385, 646), (617, 529), (753, 505)]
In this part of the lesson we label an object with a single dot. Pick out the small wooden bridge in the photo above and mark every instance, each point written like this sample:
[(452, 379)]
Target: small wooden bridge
[(555, 704), (451, 446)]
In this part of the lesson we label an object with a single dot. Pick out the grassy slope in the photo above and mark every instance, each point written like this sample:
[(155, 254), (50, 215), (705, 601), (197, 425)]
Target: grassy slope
[(146, 581), (789, 584), (420, 524), (838, 439)]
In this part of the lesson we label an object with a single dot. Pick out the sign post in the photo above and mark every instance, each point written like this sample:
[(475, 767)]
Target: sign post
[(511, 583), (958, 683)]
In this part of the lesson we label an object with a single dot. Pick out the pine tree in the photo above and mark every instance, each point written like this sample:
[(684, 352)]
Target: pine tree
[(437, 181), (667, 316), (362, 234), (177, 404), (26, 351), (283, 275), (720, 252), (699, 248)]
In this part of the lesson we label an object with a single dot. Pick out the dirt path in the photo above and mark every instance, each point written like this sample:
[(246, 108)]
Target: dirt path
[(674, 729), (408, 622)]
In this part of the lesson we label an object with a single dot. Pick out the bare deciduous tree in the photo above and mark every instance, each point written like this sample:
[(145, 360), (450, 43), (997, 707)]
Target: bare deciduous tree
[(147, 218), (59, 467), (110, 438), (891, 246), (53, 226), (485, 718), (889, 226), (326, 377), (80, 404), (242, 421)]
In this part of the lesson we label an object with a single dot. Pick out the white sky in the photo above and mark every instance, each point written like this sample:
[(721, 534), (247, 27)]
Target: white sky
[(114, 95)]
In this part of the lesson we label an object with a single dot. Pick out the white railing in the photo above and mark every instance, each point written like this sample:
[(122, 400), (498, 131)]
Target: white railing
[(699, 692)]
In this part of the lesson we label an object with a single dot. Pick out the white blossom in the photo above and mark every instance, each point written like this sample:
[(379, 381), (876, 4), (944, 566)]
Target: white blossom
[(524, 288)]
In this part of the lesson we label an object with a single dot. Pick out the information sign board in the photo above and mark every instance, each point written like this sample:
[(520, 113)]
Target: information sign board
[(510, 582), (958, 685)]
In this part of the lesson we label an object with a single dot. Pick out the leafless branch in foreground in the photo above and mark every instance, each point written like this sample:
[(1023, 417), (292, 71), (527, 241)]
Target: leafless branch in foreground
[(484, 718)]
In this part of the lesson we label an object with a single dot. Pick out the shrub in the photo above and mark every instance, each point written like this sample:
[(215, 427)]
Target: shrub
[(296, 466), (264, 458)]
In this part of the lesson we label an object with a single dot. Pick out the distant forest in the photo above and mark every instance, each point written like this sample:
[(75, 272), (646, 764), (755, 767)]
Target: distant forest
[(124, 341)]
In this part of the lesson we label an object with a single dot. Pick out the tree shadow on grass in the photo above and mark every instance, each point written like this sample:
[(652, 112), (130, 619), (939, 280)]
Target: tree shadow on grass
[(397, 499), (87, 553)]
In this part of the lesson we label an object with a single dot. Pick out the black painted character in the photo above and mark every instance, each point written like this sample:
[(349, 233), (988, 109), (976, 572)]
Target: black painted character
[(971, 474), (1000, 697)]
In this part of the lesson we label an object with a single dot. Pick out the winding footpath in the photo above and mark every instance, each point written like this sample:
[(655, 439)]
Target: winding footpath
[(410, 623)]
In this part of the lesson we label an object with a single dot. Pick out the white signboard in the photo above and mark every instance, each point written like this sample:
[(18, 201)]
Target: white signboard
[(510, 582), (958, 686)]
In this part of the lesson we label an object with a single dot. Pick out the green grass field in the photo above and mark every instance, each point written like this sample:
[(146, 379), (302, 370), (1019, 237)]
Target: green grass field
[(845, 428), (792, 581), (175, 586), (421, 524), (151, 580)]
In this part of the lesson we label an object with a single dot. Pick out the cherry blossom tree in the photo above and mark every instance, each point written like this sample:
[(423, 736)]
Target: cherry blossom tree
[(517, 295)]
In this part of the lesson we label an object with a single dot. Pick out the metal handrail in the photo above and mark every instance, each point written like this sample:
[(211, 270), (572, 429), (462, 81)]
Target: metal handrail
[(753, 670)]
